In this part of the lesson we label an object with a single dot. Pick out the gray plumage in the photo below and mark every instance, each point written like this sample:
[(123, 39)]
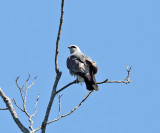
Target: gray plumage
[(83, 67)]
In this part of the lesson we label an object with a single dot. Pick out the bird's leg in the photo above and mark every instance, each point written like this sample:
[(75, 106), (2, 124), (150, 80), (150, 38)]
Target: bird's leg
[(77, 81)]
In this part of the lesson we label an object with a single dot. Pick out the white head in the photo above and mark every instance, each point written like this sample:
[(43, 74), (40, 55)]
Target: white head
[(74, 48)]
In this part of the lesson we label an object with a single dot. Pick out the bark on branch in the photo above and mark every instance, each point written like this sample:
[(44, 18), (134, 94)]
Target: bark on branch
[(24, 98), (3, 108), (9, 105), (125, 80), (58, 76), (61, 116), (58, 37)]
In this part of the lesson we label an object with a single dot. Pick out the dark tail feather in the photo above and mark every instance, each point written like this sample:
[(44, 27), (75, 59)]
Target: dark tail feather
[(91, 84), (90, 81)]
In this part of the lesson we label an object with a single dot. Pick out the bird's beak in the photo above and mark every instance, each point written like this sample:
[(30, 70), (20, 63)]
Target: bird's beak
[(68, 47)]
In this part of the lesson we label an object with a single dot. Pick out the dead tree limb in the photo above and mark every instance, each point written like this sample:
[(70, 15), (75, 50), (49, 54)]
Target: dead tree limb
[(71, 83), (62, 116), (44, 123), (125, 80), (9, 105), (58, 37), (3, 108), (24, 98)]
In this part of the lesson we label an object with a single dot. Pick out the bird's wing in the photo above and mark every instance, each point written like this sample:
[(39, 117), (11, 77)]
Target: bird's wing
[(77, 63)]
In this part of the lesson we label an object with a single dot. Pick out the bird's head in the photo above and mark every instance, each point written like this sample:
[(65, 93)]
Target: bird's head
[(74, 48)]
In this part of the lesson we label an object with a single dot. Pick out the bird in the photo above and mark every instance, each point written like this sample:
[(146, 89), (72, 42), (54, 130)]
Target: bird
[(83, 67)]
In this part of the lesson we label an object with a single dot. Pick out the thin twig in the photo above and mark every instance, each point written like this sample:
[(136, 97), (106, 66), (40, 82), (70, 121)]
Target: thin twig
[(59, 98), (30, 117), (24, 100), (61, 116), (9, 105), (126, 80), (32, 83), (14, 101), (3, 108), (20, 88), (73, 82), (58, 37)]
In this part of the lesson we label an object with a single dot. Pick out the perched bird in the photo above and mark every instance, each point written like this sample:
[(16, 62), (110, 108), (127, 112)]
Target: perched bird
[(83, 67)]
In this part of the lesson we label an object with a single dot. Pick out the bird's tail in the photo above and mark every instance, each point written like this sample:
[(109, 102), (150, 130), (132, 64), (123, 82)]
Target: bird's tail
[(89, 78), (90, 81)]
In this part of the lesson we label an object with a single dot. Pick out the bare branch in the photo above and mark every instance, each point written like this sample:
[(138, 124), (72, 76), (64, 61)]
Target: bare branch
[(32, 83), (36, 105), (14, 101), (59, 98), (58, 37), (3, 108), (61, 116), (28, 77), (105, 81), (126, 80), (20, 88), (24, 100), (74, 82), (44, 123), (30, 117), (9, 105)]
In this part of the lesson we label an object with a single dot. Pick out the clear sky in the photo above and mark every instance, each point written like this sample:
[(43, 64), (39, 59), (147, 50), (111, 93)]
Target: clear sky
[(113, 33)]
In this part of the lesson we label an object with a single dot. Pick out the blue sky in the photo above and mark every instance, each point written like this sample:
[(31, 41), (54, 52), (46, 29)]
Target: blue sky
[(113, 33)]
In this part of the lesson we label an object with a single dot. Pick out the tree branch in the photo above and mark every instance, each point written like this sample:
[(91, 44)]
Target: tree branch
[(8, 103), (24, 97), (44, 123), (126, 80), (20, 88), (59, 98), (58, 37), (3, 108), (74, 82), (30, 117), (61, 116), (14, 101)]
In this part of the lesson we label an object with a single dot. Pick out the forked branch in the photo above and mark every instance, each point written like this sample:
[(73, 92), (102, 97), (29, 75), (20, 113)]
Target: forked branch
[(9, 105), (61, 116), (24, 98), (125, 80)]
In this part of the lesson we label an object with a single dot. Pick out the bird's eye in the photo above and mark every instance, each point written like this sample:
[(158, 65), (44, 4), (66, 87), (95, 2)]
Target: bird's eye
[(73, 47)]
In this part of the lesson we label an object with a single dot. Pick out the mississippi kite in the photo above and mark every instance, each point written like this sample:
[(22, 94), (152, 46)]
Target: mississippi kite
[(83, 67)]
